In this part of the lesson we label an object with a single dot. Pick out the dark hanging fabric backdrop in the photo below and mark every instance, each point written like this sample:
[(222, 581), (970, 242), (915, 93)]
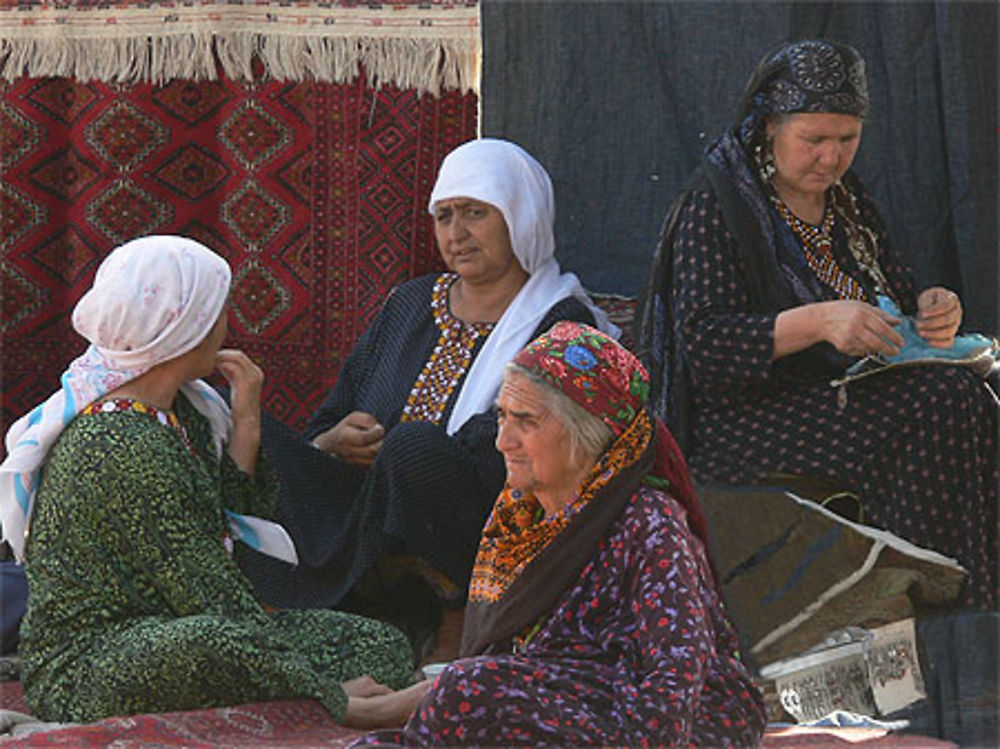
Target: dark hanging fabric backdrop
[(618, 99)]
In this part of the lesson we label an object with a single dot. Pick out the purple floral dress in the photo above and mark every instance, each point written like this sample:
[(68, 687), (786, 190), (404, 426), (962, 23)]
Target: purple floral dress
[(638, 652)]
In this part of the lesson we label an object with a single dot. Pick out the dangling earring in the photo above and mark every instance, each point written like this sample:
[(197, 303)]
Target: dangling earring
[(765, 162)]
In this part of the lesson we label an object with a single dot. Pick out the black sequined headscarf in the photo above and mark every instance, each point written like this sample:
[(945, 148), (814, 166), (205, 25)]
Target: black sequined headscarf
[(808, 76), (814, 75)]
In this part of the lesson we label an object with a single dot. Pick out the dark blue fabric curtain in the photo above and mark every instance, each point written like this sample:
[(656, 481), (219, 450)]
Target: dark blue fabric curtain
[(618, 99)]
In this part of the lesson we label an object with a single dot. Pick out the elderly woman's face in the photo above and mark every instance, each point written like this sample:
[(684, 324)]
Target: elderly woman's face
[(813, 150), (473, 239), (536, 446)]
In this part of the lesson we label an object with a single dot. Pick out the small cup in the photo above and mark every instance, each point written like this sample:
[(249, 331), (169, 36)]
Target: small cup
[(431, 670)]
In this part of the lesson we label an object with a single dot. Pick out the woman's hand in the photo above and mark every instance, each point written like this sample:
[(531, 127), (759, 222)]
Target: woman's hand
[(390, 710), (859, 329), (246, 381), (939, 313), (356, 438), (364, 686), (854, 328)]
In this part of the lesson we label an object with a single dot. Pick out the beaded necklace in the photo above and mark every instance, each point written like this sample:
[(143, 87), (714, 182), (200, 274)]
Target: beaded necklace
[(167, 418), (862, 243), (817, 245), (448, 362), (124, 405)]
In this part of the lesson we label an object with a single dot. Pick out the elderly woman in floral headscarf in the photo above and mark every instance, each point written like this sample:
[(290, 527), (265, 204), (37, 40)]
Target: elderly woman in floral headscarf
[(123, 492), (594, 615), (773, 276)]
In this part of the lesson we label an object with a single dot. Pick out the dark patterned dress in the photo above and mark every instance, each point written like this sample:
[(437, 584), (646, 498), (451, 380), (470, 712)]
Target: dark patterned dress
[(425, 498), (919, 444), (136, 604), (638, 652)]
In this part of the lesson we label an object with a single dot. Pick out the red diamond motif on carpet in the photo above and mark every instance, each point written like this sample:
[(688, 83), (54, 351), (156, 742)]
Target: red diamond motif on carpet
[(315, 193)]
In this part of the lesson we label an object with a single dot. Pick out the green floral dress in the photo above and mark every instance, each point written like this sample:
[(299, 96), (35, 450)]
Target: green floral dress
[(136, 605)]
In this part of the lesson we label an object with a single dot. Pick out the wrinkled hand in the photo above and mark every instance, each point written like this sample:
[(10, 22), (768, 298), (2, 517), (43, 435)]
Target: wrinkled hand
[(246, 381), (859, 329), (356, 438), (939, 313), (390, 710)]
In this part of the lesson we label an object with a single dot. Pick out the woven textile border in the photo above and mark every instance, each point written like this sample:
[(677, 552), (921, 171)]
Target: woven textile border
[(427, 45)]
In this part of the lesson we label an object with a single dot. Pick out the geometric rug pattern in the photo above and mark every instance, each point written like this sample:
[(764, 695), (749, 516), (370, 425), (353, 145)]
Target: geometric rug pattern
[(315, 194)]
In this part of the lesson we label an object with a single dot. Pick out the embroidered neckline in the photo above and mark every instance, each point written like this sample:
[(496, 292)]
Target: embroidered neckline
[(441, 306), (125, 405), (448, 362), (817, 246)]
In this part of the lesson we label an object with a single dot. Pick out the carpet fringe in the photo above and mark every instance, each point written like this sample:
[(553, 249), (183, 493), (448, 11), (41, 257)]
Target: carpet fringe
[(133, 46)]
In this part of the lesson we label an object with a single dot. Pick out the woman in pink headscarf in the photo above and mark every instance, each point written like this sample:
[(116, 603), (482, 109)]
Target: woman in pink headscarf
[(122, 494)]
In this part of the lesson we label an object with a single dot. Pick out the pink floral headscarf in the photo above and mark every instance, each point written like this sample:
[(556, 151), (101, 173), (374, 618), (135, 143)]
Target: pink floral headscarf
[(153, 299)]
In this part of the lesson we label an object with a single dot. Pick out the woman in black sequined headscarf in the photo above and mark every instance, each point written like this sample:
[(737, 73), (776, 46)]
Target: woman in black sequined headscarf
[(769, 281)]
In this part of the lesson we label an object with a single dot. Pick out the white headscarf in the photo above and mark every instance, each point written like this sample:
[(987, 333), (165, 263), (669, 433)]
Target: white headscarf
[(153, 299), (507, 177)]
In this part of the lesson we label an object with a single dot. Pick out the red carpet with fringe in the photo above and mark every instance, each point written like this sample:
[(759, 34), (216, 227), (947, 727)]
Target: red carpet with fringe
[(314, 192)]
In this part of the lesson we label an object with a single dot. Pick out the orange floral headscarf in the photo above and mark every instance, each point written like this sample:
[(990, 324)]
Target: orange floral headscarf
[(608, 381)]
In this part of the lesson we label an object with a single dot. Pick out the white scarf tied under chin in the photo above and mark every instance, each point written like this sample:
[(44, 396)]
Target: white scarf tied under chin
[(507, 177), (153, 299)]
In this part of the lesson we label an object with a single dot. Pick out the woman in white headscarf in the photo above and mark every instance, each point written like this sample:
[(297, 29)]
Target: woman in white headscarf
[(122, 494), (410, 423)]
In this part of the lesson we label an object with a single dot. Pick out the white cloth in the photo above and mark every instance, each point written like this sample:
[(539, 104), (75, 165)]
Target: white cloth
[(153, 299), (507, 177)]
